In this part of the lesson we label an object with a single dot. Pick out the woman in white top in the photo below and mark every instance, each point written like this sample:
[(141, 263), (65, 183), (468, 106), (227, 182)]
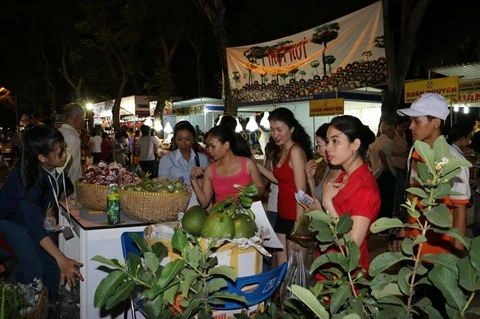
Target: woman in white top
[(183, 157), (148, 146)]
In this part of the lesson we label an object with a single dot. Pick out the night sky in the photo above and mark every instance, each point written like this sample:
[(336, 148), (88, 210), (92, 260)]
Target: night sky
[(448, 35)]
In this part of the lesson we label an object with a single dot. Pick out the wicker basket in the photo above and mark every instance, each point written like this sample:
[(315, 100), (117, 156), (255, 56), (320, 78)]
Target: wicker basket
[(92, 196), (153, 207)]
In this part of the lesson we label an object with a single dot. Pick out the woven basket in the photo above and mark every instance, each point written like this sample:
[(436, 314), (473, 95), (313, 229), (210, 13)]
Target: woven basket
[(92, 196), (153, 207)]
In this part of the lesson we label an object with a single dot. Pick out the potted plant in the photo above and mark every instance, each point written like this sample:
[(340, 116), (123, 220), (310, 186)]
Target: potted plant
[(183, 288)]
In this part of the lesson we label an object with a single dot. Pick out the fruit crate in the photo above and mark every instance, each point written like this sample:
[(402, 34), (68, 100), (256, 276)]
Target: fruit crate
[(153, 207)]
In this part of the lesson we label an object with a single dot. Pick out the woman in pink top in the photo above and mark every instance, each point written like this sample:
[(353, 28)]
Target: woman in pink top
[(227, 170)]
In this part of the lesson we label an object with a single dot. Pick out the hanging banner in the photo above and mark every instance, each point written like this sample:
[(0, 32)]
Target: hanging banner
[(343, 54), (448, 87), (326, 107), (468, 92)]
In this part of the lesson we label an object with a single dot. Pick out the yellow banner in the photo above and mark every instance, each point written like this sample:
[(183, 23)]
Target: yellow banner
[(468, 92), (448, 87), (326, 107)]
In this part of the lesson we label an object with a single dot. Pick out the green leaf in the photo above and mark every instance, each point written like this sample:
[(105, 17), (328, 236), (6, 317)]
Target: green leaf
[(468, 275), (228, 296), (159, 250), (180, 240), (417, 191), (110, 262), (189, 276), (441, 148), (391, 300), (424, 174), (426, 153), (381, 280), (121, 294), (338, 258), (246, 201), (216, 284), (324, 234), (475, 253), (419, 239), (403, 280), (169, 272), (407, 246), (320, 215), (474, 310), (339, 297), (353, 256), (454, 233), (453, 313), (193, 255), (385, 223), (154, 308), (384, 261), (139, 241), (439, 215), (195, 303), (134, 261), (171, 293), (446, 260), (310, 300), (107, 287), (223, 270), (446, 281), (344, 224), (390, 289), (441, 191), (151, 261)]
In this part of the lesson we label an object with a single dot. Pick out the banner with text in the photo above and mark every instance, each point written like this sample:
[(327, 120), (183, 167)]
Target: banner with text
[(326, 107), (448, 87), (468, 92), (343, 54)]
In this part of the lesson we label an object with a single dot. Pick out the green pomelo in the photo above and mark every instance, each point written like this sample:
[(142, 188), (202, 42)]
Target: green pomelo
[(218, 225), (244, 226), (193, 220)]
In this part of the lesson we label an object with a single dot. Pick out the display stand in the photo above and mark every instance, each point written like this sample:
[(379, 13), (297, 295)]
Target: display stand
[(93, 236)]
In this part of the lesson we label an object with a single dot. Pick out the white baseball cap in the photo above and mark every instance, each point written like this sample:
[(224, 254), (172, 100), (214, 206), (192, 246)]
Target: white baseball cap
[(432, 104)]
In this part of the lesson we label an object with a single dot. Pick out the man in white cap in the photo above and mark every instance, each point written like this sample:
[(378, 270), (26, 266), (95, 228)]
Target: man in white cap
[(427, 115)]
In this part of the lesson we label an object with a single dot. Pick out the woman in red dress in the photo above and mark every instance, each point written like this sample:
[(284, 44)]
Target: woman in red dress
[(355, 190), (293, 148)]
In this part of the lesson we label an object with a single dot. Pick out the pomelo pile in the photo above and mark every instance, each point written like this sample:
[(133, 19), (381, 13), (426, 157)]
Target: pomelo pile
[(159, 185), (230, 218)]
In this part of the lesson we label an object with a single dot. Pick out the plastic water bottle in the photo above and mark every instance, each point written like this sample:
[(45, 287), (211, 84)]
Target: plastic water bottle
[(113, 205)]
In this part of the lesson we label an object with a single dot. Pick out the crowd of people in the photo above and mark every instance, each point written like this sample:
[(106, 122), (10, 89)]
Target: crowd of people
[(359, 173)]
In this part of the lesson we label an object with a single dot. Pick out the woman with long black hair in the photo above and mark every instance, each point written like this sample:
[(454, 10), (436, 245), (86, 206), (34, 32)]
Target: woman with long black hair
[(293, 148), (28, 197)]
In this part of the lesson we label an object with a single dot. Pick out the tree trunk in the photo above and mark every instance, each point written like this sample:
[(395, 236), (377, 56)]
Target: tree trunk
[(116, 104), (399, 64), (215, 11)]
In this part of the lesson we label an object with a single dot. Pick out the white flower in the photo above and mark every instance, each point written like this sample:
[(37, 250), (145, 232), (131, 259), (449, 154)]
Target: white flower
[(440, 165)]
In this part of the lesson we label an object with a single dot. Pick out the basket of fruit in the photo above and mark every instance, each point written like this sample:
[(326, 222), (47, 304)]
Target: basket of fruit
[(92, 187), (155, 200)]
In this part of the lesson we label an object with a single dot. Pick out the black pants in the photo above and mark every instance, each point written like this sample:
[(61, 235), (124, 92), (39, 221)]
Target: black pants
[(386, 184)]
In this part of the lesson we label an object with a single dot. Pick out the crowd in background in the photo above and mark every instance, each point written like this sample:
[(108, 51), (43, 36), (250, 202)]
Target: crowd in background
[(350, 169)]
